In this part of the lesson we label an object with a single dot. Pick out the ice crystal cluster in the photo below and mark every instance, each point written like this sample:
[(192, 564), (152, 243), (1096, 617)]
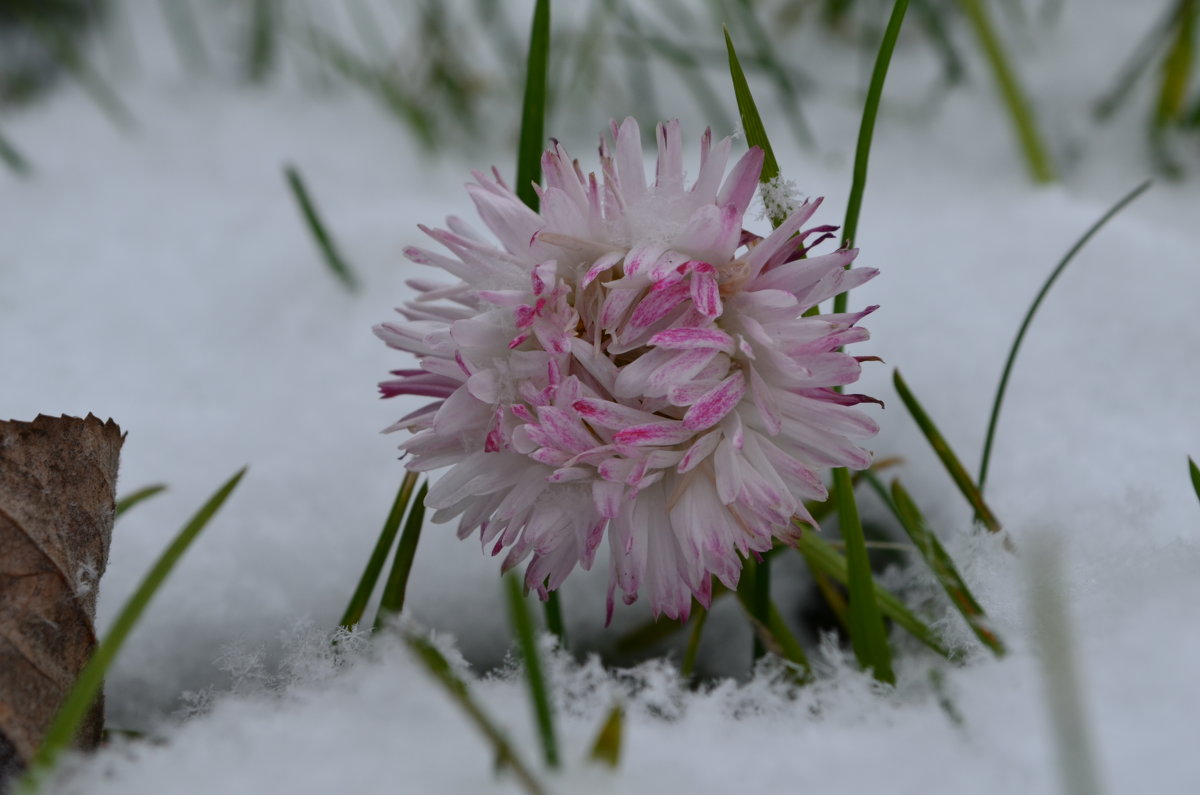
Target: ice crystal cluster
[(630, 362)]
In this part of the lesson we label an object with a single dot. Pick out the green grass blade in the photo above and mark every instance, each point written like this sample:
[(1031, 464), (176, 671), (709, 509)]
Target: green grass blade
[(1177, 67), (261, 49), (866, 131), (769, 627), (998, 400), (79, 701), (867, 633), (759, 600), (370, 576), (1133, 68), (942, 565), (786, 88), (12, 158), (533, 110), (946, 455), (606, 749), (688, 665), (522, 623), (319, 232), (144, 493), (554, 620), (825, 558), (1195, 473), (752, 124), (440, 669), (392, 600), (1037, 157)]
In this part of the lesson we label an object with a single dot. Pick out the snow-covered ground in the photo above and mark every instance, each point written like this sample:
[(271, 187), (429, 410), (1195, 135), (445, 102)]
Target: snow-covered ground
[(165, 279)]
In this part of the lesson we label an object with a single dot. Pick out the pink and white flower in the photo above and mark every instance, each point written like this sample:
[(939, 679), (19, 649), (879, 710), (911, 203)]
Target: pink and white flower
[(631, 362)]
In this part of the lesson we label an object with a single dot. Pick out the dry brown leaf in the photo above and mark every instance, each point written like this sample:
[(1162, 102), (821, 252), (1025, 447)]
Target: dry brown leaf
[(58, 480)]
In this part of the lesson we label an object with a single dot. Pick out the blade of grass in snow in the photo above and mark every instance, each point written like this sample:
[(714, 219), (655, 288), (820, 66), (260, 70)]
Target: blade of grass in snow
[(1037, 158), (522, 624), (772, 631), (366, 583), (1195, 473), (688, 665), (946, 455), (866, 131), (998, 400), (533, 109), (392, 600), (554, 619), (319, 232), (867, 633), (79, 701), (439, 667), (752, 124), (13, 158), (786, 88), (1063, 696), (826, 559), (758, 603), (1177, 67), (1137, 63), (144, 493), (606, 749), (901, 504), (261, 49)]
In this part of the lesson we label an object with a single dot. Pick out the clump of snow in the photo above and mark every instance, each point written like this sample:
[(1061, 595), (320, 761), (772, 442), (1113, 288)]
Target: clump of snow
[(165, 279)]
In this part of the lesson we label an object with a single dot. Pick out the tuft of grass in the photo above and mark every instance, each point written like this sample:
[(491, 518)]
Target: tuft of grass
[(539, 692), (333, 258), (392, 600), (998, 400), (146, 492), (945, 454), (606, 749), (370, 576), (533, 109), (79, 701), (440, 669)]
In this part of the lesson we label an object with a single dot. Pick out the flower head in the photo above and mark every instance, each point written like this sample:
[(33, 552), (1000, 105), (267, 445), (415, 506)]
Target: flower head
[(631, 362)]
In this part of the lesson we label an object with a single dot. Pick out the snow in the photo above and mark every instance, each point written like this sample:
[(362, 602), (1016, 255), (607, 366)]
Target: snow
[(165, 279)]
